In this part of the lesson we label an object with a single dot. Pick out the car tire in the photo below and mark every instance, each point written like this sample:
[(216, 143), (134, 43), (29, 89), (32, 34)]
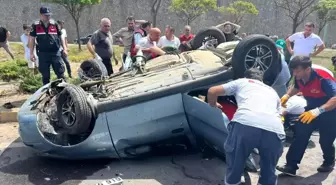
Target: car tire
[(92, 69), (246, 55), (73, 111), (200, 37)]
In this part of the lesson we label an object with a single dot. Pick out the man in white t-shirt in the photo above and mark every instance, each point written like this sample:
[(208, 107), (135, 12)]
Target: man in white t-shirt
[(65, 57), (169, 40), (25, 40), (256, 124), (305, 42)]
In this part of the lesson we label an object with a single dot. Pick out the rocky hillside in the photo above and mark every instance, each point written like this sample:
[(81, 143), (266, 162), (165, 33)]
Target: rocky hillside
[(14, 13)]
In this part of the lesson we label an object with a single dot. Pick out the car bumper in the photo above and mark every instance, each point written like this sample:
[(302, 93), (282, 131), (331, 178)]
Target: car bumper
[(97, 145)]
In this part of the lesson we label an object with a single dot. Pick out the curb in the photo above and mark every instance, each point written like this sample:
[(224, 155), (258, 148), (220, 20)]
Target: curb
[(6, 117)]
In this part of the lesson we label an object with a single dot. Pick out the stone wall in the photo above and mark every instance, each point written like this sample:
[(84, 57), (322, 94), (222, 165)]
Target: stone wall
[(14, 13)]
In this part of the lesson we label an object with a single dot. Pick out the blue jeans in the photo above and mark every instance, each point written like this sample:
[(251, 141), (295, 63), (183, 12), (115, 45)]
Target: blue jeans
[(241, 141)]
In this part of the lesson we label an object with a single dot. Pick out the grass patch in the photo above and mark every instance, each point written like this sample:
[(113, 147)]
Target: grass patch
[(74, 54)]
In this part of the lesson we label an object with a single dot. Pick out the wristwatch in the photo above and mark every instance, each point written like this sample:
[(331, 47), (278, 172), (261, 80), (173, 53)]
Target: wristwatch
[(322, 110)]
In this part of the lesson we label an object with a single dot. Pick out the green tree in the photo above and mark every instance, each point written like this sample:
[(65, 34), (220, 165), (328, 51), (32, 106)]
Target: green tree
[(192, 9), (238, 10), (326, 12), (75, 8), (297, 10)]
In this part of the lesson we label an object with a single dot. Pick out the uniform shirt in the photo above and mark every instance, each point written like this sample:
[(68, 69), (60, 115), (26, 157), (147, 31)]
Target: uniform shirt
[(317, 91), (164, 42), (127, 37), (295, 105), (305, 46), (3, 34), (103, 43), (184, 38), (322, 71), (47, 36), (258, 105)]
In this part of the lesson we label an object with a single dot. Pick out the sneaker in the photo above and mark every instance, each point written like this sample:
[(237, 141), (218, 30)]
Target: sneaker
[(288, 170), (325, 167)]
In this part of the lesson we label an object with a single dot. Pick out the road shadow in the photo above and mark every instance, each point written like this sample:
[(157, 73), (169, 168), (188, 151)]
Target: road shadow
[(288, 142), (166, 165), (315, 179)]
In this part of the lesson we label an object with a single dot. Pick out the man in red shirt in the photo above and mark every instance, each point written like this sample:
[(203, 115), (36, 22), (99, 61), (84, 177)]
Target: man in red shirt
[(187, 36)]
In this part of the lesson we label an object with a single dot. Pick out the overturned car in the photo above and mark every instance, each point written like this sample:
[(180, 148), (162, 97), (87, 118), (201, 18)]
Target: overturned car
[(132, 112)]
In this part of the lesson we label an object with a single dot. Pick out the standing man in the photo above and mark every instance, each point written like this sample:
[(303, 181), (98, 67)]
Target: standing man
[(305, 42), (100, 44), (65, 57), (320, 112), (143, 31), (49, 41), (25, 40), (187, 36), (4, 37), (284, 76), (256, 124), (125, 36), (169, 40)]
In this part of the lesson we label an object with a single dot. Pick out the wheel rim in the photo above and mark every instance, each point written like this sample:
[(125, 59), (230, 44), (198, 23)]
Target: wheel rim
[(210, 38), (259, 56), (68, 112)]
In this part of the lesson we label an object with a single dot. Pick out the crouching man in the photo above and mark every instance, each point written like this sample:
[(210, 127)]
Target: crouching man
[(148, 44), (256, 124)]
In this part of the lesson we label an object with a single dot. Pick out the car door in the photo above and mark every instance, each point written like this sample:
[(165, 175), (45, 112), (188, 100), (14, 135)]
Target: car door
[(207, 123)]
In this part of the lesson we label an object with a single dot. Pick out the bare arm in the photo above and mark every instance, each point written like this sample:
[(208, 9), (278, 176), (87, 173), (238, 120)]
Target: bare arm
[(289, 46), (8, 34), (31, 44), (90, 48), (319, 50), (213, 94), (118, 35)]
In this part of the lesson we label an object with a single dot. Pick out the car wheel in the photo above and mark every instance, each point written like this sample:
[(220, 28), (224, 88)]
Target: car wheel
[(257, 51), (92, 69), (207, 34), (73, 111)]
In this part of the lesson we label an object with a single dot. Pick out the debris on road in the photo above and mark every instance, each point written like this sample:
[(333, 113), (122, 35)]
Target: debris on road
[(113, 181)]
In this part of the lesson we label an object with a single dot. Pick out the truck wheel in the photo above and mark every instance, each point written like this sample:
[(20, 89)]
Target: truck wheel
[(257, 51), (73, 111), (206, 35)]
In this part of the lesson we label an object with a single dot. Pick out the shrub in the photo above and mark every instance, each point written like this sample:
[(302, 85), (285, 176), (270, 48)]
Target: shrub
[(11, 70)]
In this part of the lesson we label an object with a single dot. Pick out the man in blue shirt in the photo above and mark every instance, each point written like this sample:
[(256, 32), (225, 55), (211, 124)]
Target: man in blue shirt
[(320, 112)]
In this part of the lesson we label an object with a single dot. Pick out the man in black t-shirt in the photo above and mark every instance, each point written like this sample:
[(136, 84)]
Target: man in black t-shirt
[(4, 37)]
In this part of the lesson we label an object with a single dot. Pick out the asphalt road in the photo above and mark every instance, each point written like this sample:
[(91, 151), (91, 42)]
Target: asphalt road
[(21, 165)]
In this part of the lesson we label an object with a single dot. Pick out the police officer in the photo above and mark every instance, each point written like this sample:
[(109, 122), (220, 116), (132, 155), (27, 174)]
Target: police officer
[(49, 41), (320, 112)]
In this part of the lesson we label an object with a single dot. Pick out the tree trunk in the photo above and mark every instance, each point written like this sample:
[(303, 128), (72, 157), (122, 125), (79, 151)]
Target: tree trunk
[(154, 19), (295, 25), (78, 36)]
